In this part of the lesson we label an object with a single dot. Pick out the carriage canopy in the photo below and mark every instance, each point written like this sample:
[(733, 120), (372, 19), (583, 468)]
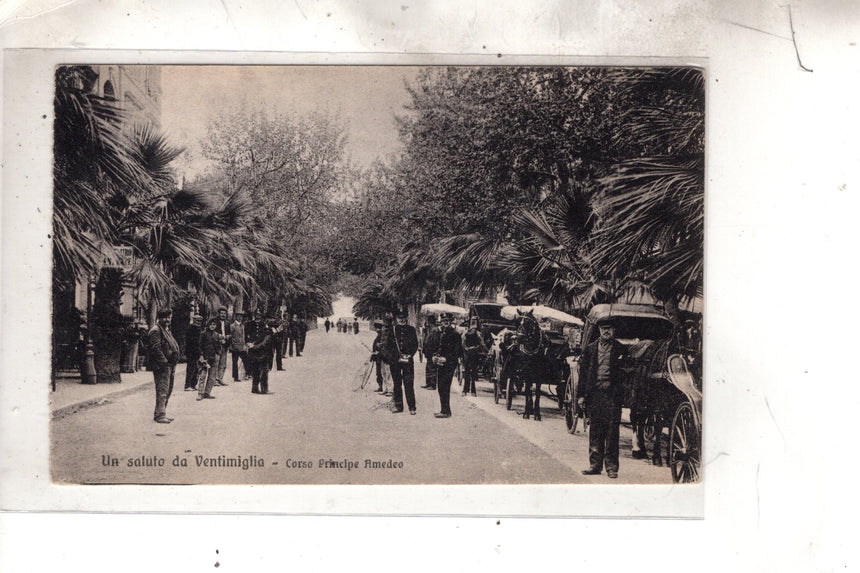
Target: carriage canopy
[(439, 308), (632, 322), (541, 312)]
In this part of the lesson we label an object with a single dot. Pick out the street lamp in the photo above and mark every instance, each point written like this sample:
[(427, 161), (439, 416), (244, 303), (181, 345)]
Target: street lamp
[(89, 375)]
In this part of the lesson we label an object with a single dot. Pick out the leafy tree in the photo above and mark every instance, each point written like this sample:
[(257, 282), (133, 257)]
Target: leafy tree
[(290, 170), (598, 172)]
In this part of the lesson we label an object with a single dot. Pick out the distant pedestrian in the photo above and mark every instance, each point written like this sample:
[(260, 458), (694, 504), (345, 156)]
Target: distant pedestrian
[(446, 358), (192, 352), (403, 367), (223, 332), (237, 344), (210, 348), (163, 356), (431, 346), (327, 325), (355, 326)]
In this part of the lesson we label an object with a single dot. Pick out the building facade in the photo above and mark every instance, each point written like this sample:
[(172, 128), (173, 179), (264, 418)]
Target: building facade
[(138, 91)]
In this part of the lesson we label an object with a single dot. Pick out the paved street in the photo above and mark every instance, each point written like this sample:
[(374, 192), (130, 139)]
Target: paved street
[(320, 427)]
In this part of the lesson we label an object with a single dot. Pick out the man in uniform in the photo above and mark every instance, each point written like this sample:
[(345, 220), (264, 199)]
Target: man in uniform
[(431, 346), (163, 356), (602, 392), (446, 357), (403, 368)]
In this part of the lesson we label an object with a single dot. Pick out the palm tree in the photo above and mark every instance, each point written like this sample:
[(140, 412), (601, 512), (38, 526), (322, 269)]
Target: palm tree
[(651, 208)]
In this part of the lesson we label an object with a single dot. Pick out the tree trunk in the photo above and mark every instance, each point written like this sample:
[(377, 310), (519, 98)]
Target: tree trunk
[(107, 326)]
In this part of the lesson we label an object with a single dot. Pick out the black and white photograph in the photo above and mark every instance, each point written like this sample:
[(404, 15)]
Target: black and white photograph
[(377, 275), (618, 237)]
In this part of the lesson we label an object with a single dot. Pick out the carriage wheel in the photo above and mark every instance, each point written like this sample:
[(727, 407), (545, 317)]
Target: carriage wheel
[(509, 393), (569, 408), (684, 446), (497, 391)]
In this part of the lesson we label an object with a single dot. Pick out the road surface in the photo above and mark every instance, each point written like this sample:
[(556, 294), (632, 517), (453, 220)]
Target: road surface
[(319, 427)]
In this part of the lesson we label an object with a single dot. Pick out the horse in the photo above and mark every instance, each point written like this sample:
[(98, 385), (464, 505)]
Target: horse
[(528, 361)]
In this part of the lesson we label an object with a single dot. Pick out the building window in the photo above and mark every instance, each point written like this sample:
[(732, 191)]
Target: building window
[(109, 91)]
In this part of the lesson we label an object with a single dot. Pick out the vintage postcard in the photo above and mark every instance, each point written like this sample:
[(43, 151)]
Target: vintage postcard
[(377, 275)]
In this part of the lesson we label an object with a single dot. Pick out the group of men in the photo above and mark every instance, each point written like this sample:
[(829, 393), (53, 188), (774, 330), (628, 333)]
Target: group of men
[(395, 347), (257, 343), (600, 373)]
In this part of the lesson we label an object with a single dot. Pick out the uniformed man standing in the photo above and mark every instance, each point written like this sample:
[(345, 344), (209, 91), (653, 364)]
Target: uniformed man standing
[(403, 368), (602, 392), (446, 357), (431, 346)]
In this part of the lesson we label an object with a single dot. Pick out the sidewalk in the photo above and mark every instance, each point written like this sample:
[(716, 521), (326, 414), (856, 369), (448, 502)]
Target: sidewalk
[(71, 396)]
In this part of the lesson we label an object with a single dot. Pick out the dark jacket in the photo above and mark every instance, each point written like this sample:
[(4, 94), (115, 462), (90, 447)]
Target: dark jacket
[(251, 328), (384, 346), (405, 339), (450, 347), (431, 342), (263, 345), (210, 347), (192, 343), (588, 370), (297, 329), (163, 350)]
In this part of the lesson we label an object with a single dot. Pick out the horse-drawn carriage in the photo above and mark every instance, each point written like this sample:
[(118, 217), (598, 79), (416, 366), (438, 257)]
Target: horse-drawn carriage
[(660, 390), (532, 356)]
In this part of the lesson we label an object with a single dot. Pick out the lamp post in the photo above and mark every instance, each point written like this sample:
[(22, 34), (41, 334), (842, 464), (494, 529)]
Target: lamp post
[(89, 375)]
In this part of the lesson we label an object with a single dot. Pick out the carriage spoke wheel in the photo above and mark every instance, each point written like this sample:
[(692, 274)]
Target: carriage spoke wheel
[(684, 446), (509, 393), (569, 408)]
